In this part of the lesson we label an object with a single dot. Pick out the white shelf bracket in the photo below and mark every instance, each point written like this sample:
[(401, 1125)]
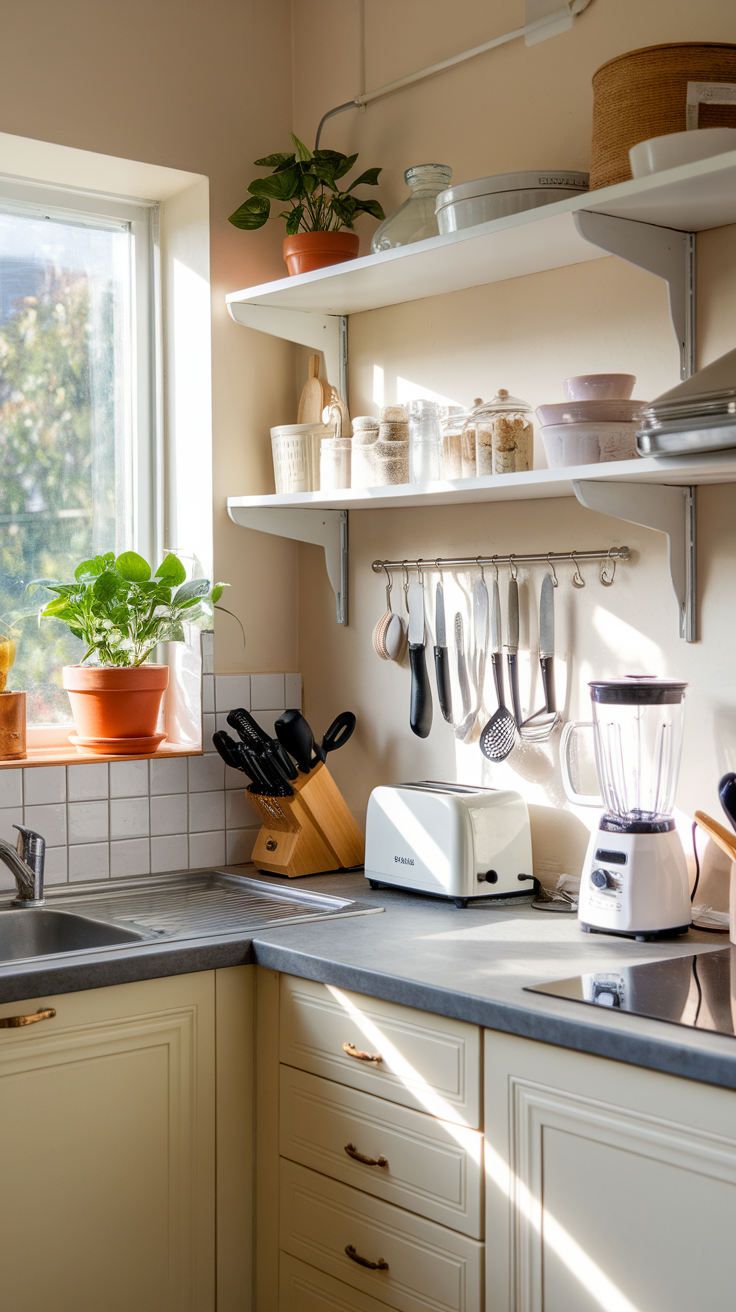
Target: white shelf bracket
[(669, 510), (321, 528), (323, 332), (663, 251)]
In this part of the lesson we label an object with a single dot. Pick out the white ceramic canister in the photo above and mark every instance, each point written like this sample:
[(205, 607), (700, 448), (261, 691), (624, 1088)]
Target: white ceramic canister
[(483, 199)]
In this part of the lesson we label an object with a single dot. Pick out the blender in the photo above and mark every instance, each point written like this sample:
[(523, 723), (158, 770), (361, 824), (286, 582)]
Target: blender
[(634, 881)]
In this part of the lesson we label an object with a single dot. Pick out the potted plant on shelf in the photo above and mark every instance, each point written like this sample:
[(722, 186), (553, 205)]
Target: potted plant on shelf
[(121, 614), (319, 217)]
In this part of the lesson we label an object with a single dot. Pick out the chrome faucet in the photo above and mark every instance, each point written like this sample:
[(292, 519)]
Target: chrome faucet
[(26, 863)]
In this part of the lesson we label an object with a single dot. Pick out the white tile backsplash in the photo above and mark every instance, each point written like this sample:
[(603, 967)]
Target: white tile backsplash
[(232, 691), (266, 692), (206, 773), (45, 783), (88, 821), (206, 811), (130, 857), (87, 783), (169, 776), (169, 814), (89, 861), (50, 821), (129, 817), (209, 726), (96, 817), (129, 778), (169, 854), (206, 849)]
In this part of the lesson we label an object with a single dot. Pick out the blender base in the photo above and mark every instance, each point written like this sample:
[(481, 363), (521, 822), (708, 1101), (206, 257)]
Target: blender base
[(642, 936)]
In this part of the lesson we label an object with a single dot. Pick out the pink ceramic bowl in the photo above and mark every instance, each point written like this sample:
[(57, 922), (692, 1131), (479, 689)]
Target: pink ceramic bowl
[(597, 412), (599, 387)]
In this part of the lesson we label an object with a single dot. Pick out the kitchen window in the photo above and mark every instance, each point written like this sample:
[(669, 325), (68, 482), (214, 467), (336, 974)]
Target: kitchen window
[(79, 406)]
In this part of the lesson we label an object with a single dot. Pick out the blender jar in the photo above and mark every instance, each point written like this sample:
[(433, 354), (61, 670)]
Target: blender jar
[(638, 732)]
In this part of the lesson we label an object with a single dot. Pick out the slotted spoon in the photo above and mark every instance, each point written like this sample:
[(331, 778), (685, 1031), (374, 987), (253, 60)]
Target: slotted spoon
[(499, 735)]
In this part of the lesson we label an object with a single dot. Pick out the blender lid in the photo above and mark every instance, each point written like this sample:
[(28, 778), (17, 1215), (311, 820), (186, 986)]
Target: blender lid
[(637, 690)]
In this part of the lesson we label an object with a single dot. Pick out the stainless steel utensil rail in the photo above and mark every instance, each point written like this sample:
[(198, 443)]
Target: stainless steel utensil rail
[(533, 558)]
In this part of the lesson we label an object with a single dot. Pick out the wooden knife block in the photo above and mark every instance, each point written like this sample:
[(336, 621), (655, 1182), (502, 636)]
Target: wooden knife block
[(310, 833)]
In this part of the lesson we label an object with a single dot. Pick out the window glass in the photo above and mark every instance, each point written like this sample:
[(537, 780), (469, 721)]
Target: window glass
[(67, 418)]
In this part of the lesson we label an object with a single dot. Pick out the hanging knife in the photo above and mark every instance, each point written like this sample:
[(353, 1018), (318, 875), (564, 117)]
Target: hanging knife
[(547, 641), (497, 643), (442, 656), (512, 648), (420, 715), (462, 670)]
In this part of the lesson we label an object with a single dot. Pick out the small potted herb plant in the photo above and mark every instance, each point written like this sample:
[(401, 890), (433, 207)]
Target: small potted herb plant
[(121, 613), (319, 215)]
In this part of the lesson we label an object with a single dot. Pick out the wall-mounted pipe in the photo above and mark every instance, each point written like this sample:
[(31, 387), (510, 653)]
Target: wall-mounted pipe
[(569, 9)]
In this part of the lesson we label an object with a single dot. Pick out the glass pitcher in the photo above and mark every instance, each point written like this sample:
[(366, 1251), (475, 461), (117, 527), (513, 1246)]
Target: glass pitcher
[(415, 219)]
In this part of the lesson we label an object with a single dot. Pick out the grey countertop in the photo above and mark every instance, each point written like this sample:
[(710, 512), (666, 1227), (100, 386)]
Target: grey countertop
[(470, 964)]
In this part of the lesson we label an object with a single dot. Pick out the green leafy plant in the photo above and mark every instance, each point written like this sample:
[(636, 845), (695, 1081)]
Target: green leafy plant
[(121, 613), (307, 182)]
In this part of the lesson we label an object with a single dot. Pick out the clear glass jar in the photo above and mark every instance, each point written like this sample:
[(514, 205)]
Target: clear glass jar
[(362, 456), (334, 464), (424, 441), (390, 462), (504, 435), (415, 219), (451, 441)]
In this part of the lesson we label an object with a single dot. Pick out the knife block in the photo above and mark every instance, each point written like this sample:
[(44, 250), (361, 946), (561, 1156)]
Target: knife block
[(311, 833)]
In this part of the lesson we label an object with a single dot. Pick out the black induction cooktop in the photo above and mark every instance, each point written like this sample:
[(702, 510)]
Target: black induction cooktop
[(699, 990)]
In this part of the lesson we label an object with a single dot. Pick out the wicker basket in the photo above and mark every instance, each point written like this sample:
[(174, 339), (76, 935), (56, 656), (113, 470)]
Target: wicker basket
[(643, 94)]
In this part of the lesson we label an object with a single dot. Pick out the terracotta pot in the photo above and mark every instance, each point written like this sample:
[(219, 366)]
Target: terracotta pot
[(111, 703), (315, 250)]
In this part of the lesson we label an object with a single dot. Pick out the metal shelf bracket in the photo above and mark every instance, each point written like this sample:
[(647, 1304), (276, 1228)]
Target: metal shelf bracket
[(669, 510), (323, 332), (321, 528), (666, 252)]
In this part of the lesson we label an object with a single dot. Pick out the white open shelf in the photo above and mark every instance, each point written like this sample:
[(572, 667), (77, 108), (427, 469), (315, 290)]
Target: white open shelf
[(537, 483), (690, 198)]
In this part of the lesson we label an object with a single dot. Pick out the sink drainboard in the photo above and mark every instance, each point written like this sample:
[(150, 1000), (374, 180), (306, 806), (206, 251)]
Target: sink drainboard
[(200, 905)]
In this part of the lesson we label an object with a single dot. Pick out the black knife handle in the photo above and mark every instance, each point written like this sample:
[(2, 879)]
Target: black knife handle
[(497, 662), (514, 683), (548, 681), (420, 714), (442, 671)]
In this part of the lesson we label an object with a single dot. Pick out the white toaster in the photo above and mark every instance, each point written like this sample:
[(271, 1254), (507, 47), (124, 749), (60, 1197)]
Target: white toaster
[(450, 840)]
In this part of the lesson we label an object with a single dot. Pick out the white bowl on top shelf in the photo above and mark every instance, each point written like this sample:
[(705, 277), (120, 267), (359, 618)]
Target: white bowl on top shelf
[(588, 444), (666, 152)]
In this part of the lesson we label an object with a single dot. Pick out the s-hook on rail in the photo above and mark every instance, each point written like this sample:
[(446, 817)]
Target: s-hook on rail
[(550, 558)]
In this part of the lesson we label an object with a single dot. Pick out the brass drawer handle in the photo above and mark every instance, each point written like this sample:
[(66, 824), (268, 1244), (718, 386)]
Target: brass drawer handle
[(13, 1022), (352, 1151), (352, 1051), (380, 1265)]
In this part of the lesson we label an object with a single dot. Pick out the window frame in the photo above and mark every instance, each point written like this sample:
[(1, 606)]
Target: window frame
[(142, 217)]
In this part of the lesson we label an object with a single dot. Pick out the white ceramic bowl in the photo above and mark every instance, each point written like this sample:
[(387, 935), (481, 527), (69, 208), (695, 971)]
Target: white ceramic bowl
[(675, 148), (586, 412), (588, 444), (469, 203), (599, 387)]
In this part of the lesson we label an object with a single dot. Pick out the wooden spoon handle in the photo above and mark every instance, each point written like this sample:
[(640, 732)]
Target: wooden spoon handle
[(718, 832)]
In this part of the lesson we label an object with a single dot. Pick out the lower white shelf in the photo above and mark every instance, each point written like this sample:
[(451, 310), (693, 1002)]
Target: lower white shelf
[(678, 471)]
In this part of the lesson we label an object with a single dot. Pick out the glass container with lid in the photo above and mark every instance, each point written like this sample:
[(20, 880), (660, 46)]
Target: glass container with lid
[(415, 219), (504, 435), (638, 728)]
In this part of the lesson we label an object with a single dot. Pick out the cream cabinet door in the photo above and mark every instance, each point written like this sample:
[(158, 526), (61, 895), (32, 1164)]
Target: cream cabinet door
[(107, 1150), (609, 1188)]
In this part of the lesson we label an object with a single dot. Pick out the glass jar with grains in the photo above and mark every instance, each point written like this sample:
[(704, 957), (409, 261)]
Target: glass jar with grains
[(504, 435)]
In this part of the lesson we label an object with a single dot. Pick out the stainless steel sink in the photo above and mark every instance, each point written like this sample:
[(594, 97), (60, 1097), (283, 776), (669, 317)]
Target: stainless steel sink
[(159, 909), (43, 933)]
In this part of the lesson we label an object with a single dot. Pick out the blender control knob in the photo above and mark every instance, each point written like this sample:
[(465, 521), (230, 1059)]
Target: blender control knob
[(601, 879)]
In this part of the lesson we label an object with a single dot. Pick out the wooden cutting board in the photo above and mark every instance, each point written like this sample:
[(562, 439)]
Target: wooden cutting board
[(314, 397)]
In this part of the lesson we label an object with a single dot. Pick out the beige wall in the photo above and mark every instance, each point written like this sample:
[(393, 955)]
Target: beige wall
[(203, 87), (510, 109)]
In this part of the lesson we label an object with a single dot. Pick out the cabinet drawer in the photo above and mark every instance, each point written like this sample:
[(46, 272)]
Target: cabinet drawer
[(433, 1167), (423, 1265), (303, 1288), (423, 1061)]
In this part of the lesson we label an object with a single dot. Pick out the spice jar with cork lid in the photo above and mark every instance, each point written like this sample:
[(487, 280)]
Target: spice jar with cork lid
[(504, 435), (391, 451)]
